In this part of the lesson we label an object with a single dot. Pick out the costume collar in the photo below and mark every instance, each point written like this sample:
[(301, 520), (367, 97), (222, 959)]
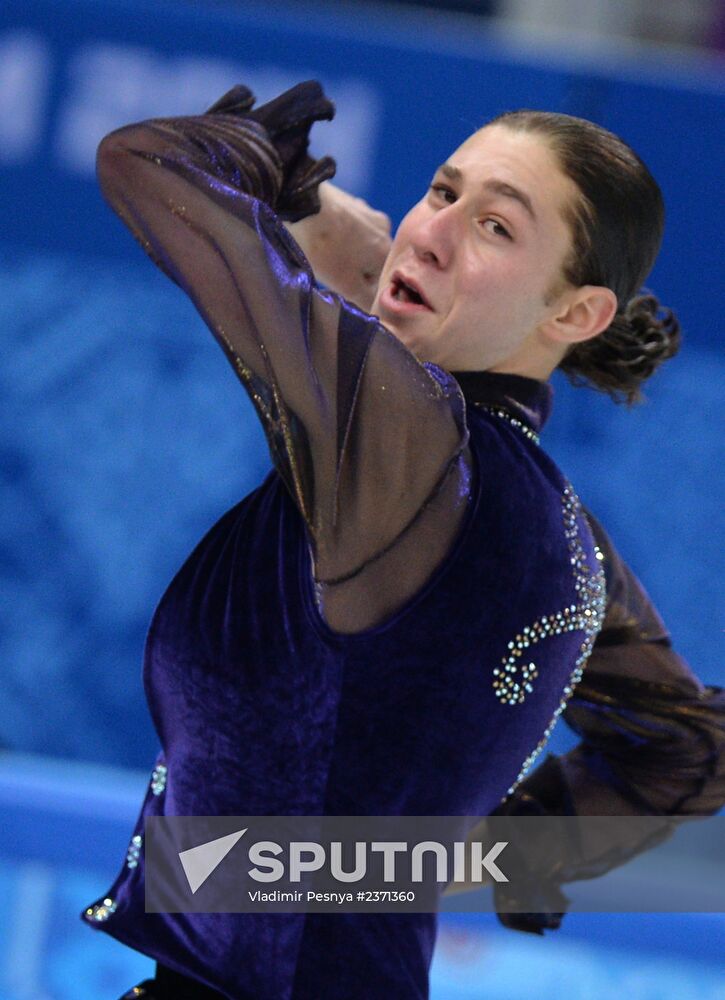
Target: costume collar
[(526, 399)]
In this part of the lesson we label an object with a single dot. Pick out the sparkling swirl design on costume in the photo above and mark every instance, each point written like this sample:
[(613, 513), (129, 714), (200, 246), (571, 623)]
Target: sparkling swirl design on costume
[(134, 850), (158, 778), (513, 680), (586, 615), (100, 912)]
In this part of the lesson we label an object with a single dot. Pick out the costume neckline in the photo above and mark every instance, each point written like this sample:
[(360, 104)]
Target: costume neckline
[(526, 399)]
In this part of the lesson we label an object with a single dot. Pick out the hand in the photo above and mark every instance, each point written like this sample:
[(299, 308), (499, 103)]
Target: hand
[(285, 122), (346, 243)]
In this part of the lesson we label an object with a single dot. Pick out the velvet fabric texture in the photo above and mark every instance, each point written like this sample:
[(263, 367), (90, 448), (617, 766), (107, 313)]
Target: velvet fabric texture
[(262, 709), (444, 545)]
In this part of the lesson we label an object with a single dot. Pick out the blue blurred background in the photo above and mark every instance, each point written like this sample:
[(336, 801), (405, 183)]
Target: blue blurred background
[(124, 435)]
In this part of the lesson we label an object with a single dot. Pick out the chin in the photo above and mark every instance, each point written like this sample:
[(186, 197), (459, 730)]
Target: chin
[(407, 342)]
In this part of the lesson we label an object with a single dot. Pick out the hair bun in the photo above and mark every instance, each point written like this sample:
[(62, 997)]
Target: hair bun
[(656, 330), (628, 352)]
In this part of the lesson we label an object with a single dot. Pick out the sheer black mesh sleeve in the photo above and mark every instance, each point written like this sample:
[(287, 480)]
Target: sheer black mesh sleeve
[(372, 446), (652, 739)]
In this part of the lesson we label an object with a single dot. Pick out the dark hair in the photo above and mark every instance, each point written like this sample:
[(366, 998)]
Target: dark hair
[(616, 226)]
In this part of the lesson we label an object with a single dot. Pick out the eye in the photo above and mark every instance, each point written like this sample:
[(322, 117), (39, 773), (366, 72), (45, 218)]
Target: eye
[(495, 227), (444, 192)]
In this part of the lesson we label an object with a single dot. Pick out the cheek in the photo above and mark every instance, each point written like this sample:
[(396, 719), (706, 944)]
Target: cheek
[(494, 303), (503, 282), (480, 291)]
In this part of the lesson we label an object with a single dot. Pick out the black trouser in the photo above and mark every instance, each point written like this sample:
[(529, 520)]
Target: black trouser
[(168, 985)]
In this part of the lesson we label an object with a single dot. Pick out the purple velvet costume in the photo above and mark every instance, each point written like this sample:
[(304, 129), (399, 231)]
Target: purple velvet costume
[(435, 700)]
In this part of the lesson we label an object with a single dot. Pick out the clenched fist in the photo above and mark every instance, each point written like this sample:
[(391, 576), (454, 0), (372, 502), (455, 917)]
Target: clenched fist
[(346, 243)]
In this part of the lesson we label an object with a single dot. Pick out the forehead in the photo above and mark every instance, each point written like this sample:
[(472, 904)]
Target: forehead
[(524, 160)]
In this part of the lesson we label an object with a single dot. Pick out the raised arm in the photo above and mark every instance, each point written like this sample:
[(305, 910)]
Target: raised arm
[(346, 243), (652, 737), (371, 444)]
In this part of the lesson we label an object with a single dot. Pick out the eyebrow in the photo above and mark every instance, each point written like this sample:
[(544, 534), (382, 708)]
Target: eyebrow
[(493, 185)]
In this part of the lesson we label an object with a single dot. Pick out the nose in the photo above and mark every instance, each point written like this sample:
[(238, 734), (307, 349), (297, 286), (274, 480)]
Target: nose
[(435, 238)]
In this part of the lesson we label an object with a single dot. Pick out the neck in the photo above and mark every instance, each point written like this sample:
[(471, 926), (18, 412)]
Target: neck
[(525, 398)]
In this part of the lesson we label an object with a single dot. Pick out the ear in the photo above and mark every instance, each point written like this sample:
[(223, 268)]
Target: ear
[(580, 314)]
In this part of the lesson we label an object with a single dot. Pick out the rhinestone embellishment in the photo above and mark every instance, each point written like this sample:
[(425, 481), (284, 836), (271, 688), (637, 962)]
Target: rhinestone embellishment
[(512, 683), (505, 415), (512, 680), (158, 778), (101, 911), (134, 850)]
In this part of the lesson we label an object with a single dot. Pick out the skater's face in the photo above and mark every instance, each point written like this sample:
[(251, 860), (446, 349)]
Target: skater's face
[(474, 277)]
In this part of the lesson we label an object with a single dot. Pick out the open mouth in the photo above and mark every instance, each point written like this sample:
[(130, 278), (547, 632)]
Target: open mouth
[(402, 291)]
